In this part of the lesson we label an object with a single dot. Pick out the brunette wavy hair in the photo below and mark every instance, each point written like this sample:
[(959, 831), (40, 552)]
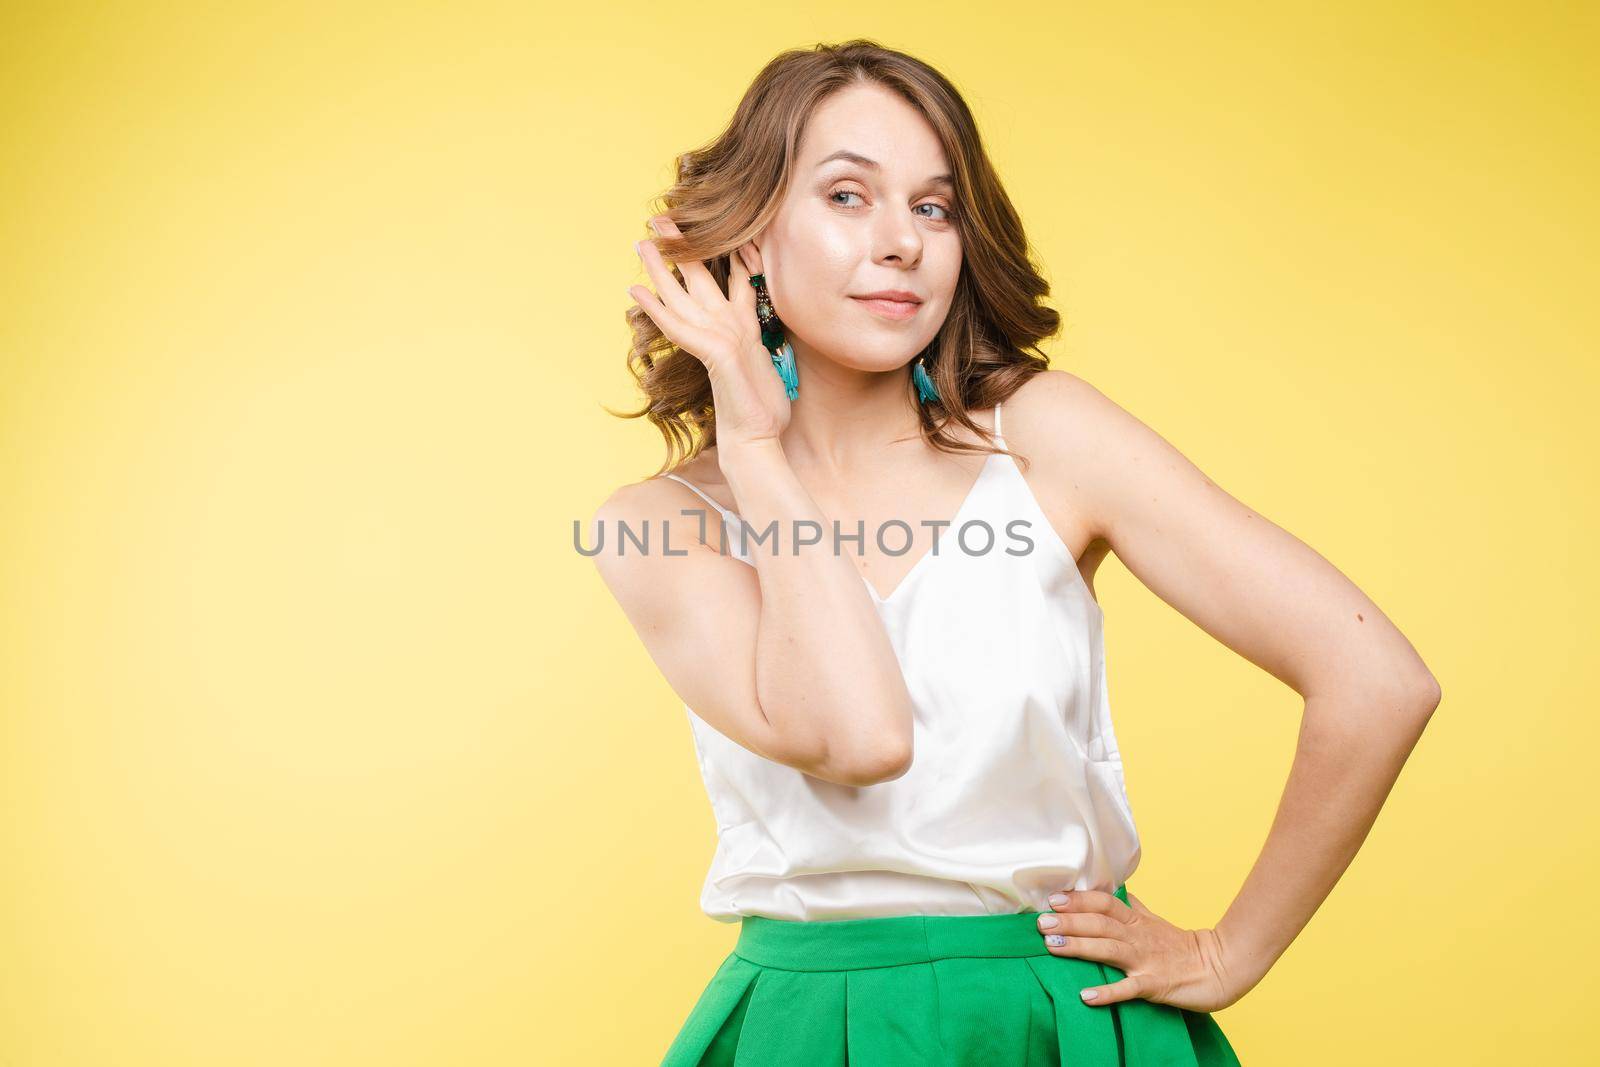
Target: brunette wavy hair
[(727, 191)]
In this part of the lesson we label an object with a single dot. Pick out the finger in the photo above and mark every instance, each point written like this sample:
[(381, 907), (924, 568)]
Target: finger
[(1105, 949), (669, 290), (1081, 924), (701, 285), (752, 257), (740, 292), (664, 318), (1129, 988), (1091, 900)]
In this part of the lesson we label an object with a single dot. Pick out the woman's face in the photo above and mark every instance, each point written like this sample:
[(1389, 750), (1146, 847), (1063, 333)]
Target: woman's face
[(879, 217)]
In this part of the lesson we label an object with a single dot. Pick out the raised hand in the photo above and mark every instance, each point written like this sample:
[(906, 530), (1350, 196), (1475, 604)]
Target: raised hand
[(722, 332), (1162, 962)]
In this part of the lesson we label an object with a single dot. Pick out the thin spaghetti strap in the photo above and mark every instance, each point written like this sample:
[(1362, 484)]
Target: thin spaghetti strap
[(702, 493), (997, 432)]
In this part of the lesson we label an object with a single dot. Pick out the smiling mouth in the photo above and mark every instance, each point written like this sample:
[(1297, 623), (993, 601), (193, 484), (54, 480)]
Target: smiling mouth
[(894, 309)]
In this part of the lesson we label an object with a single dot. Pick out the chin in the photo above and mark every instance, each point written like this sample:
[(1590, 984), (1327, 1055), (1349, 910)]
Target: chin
[(880, 362)]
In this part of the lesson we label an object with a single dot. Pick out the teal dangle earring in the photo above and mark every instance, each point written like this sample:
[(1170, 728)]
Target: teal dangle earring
[(773, 340), (924, 383)]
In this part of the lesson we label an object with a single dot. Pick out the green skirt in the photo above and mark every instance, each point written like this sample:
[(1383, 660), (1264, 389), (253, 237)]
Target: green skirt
[(929, 991)]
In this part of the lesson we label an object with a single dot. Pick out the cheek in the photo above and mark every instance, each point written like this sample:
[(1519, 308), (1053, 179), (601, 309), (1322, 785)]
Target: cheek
[(814, 269), (836, 251), (950, 264), (822, 253)]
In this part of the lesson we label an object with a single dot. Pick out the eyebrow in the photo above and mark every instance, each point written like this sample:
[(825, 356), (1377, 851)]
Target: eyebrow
[(872, 164)]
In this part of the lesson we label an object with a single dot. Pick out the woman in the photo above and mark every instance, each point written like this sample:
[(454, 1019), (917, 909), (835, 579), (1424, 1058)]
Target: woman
[(922, 824)]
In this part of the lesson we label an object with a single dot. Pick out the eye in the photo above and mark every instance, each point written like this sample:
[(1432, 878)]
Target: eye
[(941, 207), (842, 192)]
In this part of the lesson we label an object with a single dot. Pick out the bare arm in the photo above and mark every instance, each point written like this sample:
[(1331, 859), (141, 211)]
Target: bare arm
[(789, 658), (1275, 601)]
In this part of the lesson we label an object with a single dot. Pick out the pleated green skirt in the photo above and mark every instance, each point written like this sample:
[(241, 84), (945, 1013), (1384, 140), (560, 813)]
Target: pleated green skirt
[(927, 991)]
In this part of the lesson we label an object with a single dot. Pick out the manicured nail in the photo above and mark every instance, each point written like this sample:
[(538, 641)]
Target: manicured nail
[(1058, 899), (1048, 922), (1055, 939), (1089, 994)]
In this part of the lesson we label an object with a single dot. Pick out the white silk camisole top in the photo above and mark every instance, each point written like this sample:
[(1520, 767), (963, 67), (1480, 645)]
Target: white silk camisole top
[(1016, 787)]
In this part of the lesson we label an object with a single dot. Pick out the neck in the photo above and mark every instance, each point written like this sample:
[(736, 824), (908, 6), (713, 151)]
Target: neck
[(846, 416)]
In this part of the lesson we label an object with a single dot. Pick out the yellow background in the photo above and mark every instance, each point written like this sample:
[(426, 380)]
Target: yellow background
[(320, 743)]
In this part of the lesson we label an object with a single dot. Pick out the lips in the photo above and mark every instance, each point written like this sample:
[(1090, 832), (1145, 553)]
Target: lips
[(898, 295), (890, 304)]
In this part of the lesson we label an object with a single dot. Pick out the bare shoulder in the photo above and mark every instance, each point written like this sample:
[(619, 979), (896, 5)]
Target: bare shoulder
[(1057, 422), (1245, 580), (1056, 407), (649, 503), (633, 502), (1127, 484), (661, 495)]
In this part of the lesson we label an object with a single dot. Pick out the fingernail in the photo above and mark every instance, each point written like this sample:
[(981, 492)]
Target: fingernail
[(1055, 939), (1058, 899), (1088, 994), (1048, 922)]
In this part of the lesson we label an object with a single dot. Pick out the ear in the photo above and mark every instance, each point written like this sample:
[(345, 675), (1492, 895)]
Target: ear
[(753, 258)]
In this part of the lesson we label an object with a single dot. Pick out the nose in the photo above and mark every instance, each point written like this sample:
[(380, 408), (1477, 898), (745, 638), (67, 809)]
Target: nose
[(898, 238)]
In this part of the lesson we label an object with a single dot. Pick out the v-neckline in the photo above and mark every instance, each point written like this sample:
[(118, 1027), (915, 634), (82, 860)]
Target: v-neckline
[(954, 524)]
